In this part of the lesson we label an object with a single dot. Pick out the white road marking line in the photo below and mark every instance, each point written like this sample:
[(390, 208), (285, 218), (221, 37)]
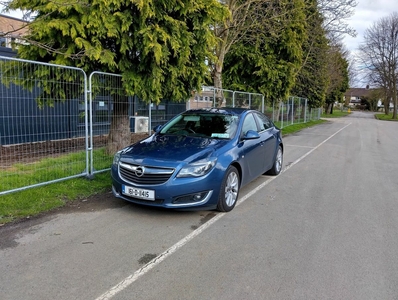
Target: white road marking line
[(158, 259)]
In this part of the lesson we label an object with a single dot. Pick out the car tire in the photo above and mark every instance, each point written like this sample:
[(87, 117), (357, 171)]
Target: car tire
[(229, 191), (278, 162)]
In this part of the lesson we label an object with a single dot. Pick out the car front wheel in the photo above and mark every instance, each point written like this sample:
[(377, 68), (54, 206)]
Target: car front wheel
[(229, 190)]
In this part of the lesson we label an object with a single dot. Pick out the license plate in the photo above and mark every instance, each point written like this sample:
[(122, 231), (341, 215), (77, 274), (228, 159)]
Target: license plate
[(138, 193)]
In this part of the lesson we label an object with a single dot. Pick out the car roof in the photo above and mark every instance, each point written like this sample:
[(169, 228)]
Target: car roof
[(221, 110)]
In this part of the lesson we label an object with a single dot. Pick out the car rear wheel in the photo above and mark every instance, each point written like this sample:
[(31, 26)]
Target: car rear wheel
[(277, 167), (229, 190)]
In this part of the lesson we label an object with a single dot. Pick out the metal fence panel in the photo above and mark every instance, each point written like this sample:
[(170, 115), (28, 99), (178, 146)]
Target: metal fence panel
[(43, 131), (105, 93), (213, 97), (55, 123), (295, 110)]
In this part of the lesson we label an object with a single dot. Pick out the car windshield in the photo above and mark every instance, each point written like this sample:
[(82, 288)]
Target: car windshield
[(208, 125)]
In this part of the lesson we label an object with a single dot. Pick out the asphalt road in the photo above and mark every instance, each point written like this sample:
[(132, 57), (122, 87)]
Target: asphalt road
[(325, 228)]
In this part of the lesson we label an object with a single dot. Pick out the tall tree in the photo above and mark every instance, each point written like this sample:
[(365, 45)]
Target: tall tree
[(379, 57), (335, 14), (326, 24), (266, 61), (371, 100), (338, 76), (312, 78), (251, 21), (159, 46)]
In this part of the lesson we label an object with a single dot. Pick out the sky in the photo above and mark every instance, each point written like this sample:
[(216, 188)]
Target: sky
[(366, 13)]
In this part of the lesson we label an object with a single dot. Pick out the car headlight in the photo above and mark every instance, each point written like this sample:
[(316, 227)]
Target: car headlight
[(116, 157), (197, 169), (118, 154)]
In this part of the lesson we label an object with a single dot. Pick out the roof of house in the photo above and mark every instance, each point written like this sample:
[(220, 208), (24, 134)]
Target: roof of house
[(358, 92), (13, 25)]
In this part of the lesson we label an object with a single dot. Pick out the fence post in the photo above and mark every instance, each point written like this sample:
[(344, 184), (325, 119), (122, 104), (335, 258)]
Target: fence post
[(150, 117), (292, 108), (305, 111)]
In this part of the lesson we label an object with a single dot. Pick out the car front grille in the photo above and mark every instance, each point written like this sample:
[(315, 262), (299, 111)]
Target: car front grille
[(144, 175)]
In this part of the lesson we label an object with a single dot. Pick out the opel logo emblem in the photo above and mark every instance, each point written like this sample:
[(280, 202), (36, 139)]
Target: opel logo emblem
[(139, 171)]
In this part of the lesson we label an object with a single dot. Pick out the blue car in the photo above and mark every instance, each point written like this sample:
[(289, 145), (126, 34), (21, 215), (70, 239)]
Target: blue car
[(199, 159)]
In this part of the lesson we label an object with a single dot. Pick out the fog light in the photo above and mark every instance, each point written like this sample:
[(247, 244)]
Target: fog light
[(192, 198), (198, 197)]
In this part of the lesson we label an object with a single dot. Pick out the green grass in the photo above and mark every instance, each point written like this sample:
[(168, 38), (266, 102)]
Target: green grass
[(384, 117), (34, 201), (24, 174), (297, 127), (336, 114)]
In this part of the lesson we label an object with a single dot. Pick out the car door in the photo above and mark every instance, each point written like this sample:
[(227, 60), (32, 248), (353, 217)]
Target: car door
[(252, 151), (268, 138)]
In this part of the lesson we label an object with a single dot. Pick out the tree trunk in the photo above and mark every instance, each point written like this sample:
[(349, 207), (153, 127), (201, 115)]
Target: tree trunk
[(218, 85), (278, 114), (119, 134), (394, 99), (386, 105), (217, 76)]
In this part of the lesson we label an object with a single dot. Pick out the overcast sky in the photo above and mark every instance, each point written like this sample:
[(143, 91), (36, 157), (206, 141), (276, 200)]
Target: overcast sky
[(366, 13)]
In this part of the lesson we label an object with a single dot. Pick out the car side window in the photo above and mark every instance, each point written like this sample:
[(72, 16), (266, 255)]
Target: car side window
[(249, 124), (263, 121)]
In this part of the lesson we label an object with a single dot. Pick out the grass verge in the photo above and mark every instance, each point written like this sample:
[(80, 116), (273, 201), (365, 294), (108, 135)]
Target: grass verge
[(33, 201), (384, 117), (297, 127), (336, 114)]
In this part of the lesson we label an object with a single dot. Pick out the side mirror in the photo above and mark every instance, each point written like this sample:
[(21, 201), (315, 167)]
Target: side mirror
[(251, 135), (157, 128)]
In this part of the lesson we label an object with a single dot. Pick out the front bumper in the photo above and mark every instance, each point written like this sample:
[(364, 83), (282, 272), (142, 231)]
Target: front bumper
[(176, 193)]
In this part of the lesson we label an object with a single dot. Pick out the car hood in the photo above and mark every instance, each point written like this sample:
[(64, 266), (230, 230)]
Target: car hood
[(173, 148)]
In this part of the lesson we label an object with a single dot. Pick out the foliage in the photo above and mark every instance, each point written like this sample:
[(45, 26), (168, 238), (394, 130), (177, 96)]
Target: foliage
[(268, 61), (312, 78), (160, 47), (254, 23), (338, 77), (372, 99)]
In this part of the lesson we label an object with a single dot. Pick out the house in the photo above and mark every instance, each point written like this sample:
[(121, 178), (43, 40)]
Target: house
[(11, 31), (353, 96), (205, 98)]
